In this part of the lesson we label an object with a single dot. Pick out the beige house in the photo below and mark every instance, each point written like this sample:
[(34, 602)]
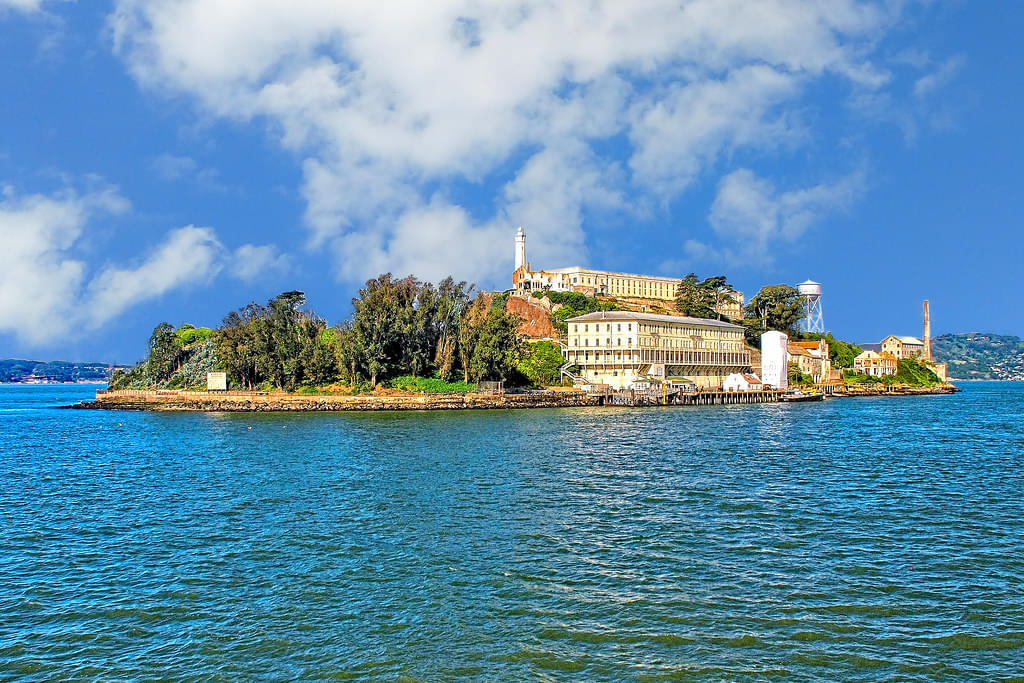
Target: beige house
[(620, 348), (876, 364), (903, 347), (813, 359)]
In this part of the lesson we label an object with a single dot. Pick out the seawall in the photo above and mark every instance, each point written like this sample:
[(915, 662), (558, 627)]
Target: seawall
[(265, 402)]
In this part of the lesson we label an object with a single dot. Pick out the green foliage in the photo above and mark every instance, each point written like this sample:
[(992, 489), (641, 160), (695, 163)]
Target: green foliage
[(840, 352), (404, 326), (775, 307), (541, 363), (278, 344), (497, 345), (910, 372), (798, 378), (915, 374), (572, 304), (702, 298), (187, 335), (431, 385), (17, 370)]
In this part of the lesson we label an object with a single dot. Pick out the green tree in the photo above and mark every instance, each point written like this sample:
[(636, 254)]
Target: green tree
[(163, 353), (541, 363), (498, 345), (721, 291), (453, 299), (695, 299), (775, 307), (471, 326)]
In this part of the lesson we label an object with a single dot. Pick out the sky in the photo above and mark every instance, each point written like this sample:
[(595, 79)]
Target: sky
[(173, 160)]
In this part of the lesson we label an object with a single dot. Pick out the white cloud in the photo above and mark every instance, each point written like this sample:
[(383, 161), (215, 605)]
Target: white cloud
[(46, 290), (251, 261), (21, 5), (171, 167), (752, 219), (188, 256), (940, 77), (391, 105)]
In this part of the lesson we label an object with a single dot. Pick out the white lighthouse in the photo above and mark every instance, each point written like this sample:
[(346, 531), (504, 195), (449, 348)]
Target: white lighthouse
[(520, 248)]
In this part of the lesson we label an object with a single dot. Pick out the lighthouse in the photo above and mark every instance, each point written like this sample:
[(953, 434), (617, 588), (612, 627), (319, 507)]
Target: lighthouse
[(520, 248)]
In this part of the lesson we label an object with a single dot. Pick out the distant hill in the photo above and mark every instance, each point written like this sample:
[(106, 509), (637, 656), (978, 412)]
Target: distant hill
[(978, 355), (38, 371)]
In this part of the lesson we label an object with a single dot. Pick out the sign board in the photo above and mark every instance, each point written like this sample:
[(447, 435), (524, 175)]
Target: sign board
[(216, 381)]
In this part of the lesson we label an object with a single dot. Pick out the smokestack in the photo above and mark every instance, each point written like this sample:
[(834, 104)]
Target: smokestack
[(927, 332)]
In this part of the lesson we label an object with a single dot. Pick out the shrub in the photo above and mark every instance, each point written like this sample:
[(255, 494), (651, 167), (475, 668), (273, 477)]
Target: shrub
[(429, 385)]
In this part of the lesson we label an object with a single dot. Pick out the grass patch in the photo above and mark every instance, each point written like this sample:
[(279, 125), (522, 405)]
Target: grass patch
[(430, 385)]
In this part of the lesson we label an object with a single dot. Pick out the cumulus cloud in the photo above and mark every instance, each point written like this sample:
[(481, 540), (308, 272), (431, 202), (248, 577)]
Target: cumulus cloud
[(752, 218), (47, 291), (394, 106), (187, 256), (251, 261)]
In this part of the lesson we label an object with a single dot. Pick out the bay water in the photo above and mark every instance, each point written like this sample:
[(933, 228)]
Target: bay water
[(856, 539)]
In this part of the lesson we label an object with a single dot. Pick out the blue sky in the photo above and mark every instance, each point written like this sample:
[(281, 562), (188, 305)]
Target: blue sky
[(176, 159)]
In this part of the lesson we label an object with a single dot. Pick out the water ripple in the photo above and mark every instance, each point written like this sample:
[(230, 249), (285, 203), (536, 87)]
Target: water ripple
[(854, 540)]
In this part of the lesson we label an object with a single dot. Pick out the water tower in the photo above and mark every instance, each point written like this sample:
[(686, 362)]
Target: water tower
[(811, 293)]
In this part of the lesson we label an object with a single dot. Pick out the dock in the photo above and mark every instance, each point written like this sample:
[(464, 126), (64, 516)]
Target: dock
[(687, 398)]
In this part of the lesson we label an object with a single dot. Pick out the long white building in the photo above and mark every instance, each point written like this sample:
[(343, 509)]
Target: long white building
[(605, 283), (619, 348)]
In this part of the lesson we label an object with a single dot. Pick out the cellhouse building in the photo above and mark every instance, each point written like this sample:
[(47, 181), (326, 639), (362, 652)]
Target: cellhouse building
[(620, 348)]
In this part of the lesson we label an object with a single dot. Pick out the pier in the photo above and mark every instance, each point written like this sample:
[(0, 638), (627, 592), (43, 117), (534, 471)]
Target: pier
[(684, 398)]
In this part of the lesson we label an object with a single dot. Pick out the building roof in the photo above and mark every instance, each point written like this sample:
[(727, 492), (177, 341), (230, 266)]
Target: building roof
[(608, 273), (652, 317), (905, 340), (812, 345), (870, 347), (797, 350)]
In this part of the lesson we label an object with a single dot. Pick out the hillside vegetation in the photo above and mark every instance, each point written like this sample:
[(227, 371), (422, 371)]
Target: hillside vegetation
[(977, 355), (15, 370)]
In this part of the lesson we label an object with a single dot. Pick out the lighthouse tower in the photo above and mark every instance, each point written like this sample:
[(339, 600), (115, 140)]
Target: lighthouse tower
[(520, 248)]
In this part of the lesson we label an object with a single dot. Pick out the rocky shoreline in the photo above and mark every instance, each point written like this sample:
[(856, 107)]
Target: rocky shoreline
[(201, 401), (248, 402), (855, 391)]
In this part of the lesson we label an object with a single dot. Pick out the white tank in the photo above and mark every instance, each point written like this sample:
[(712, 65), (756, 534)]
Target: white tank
[(809, 288)]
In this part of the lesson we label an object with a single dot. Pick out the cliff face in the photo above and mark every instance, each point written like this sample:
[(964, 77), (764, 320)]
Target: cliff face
[(536, 319)]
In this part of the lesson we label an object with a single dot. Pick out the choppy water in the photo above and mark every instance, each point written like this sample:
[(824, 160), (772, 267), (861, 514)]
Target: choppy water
[(862, 539)]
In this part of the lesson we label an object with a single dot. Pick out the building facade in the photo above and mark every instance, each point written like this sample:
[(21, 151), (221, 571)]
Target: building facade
[(813, 359), (605, 283), (621, 348), (775, 359), (876, 364), (903, 347), (742, 382)]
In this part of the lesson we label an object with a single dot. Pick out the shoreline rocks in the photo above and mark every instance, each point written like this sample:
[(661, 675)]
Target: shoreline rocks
[(196, 401)]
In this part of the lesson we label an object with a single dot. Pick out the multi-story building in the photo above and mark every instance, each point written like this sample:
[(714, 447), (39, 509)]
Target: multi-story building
[(605, 283), (903, 347), (813, 359), (619, 348), (876, 364)]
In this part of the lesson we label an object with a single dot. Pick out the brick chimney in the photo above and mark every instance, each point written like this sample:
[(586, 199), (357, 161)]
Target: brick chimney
[(927, 332)]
